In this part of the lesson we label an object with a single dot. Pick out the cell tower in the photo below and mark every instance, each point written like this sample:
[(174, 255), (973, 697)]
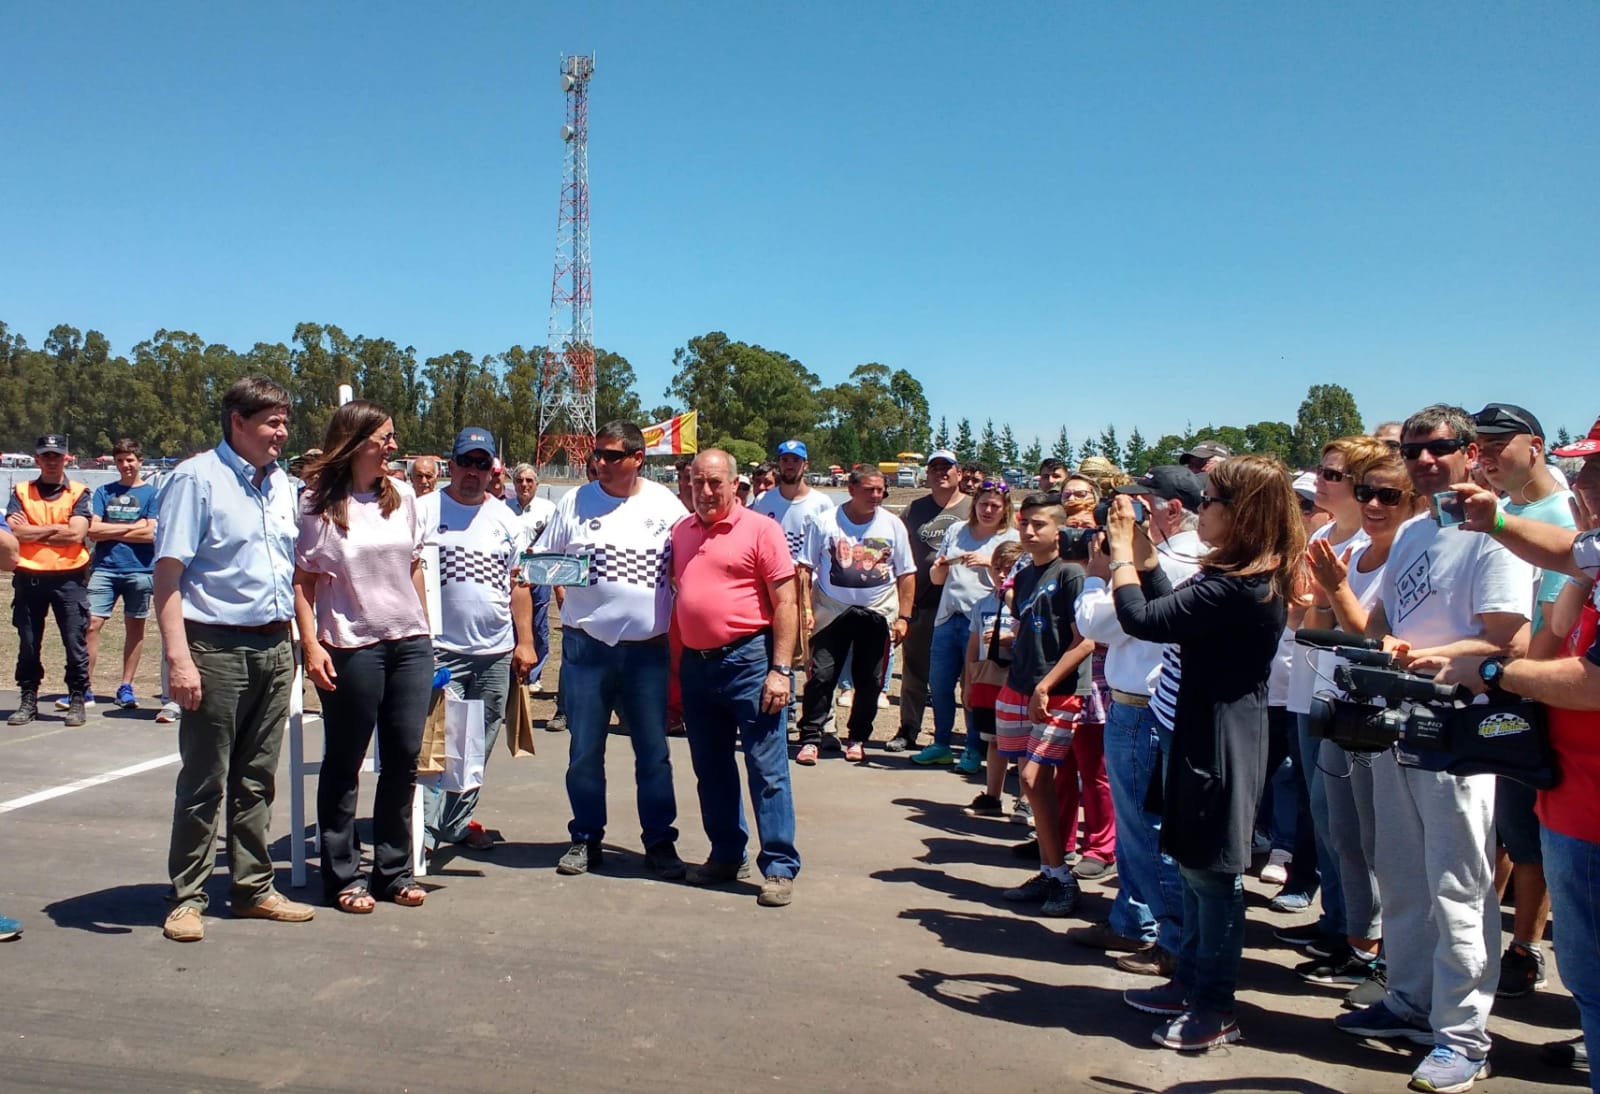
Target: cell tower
[(566, 380)]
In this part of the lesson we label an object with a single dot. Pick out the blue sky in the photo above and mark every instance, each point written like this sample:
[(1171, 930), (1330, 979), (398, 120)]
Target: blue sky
[(1050, 213)]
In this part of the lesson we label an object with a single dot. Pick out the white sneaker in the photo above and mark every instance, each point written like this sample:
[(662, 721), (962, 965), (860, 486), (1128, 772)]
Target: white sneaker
[(846, 697), (1275, 872), (883, 701), (170, 712)]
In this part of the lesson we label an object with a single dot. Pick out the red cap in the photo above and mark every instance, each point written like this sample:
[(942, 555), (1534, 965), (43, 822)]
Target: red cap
[(1589, 446)]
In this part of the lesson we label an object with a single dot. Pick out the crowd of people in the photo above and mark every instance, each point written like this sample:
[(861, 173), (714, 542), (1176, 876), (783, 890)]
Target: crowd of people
[(1127, 644)]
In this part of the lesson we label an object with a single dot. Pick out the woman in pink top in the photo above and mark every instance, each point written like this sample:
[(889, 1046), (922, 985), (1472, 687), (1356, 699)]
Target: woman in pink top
[(364, 630)]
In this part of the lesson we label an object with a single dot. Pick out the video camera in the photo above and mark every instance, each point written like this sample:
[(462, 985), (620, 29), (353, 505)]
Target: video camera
[(1383, 706), (1075, 543)]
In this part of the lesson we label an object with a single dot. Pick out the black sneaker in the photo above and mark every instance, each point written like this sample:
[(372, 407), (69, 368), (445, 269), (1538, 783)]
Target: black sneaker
[(1571, 1053), (987, 805), (1375, 989), (1061, 899), (1346, 971), (663, 861), (1036, 890), (581, 858), (1304, 935), (1521, 971)]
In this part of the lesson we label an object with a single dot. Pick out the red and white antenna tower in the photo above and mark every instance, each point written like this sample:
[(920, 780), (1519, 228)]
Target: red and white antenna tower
[(566, 380)]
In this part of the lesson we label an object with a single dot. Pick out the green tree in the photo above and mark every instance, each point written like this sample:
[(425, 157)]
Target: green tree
[(614, 396), (746, 391), (1033, 454), (1062, 449), (1563, 438), (906, 391), (1110, 447), (1270, 439), (1165, 451), (1136, 455), (989, 447), (941, 439), (1008, 445), (1327, 413), (965, 447)]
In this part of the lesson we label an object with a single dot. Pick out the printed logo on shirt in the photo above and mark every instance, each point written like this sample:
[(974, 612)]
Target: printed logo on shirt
[(860, 564), (1036, 619), (1413, 587), (122, 508)]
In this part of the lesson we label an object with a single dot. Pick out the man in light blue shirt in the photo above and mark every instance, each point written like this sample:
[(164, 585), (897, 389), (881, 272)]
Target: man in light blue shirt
[(224, 601)]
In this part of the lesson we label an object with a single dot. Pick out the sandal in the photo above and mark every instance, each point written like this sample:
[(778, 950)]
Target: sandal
[(355, 900), (408, 895)]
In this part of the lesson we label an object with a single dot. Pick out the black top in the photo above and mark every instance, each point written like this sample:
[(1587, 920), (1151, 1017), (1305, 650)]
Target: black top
[(1042, 599), (1226, 629), (927, 523)]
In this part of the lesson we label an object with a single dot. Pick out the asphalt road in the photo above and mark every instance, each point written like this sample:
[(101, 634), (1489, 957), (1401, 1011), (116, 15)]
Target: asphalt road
[(897, 967)]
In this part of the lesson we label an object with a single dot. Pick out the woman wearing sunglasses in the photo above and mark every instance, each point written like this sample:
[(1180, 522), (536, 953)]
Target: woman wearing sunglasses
[(961, 567), (1344, 591), (1226, 621)]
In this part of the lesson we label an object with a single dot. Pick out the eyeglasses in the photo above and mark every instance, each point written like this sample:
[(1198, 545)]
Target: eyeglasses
[(1444, 446), (611, 455), (1331, 474), (1208, 500), (479, 463), (1386, 495), (990, 484), (1079, 493)]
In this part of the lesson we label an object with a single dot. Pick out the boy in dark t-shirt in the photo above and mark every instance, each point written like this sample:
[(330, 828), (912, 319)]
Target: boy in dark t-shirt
[(1039, 706)]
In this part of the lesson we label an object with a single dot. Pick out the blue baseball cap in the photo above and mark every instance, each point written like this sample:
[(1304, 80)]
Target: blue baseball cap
[(794, 448), (473, 439)]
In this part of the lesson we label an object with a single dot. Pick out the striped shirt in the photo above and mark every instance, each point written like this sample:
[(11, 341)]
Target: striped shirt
[(1178, 557)]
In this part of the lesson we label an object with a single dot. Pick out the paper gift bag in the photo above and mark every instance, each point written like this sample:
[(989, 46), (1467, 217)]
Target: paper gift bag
[(519, 720), (463, 744), (430, 761)]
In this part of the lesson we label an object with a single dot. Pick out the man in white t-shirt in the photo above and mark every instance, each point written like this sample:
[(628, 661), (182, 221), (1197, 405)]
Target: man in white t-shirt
[(485, 616), (1446, 592), (857, 602), (793, 504), (614, 655), (535, 513)]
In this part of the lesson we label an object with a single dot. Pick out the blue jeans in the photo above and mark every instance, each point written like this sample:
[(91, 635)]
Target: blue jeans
[(1149, 902), (1213, 938), (1572, 870), (541, 631), (472, 676), (722, 707), (947, 656), (629, 678), (1332, 918)]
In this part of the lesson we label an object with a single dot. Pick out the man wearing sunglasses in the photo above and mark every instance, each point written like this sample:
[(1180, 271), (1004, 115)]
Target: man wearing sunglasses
[(1446, 592), (615, 656)]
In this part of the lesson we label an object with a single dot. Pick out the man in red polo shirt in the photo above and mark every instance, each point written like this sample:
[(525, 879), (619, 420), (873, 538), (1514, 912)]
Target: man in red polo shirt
[(735, 609)]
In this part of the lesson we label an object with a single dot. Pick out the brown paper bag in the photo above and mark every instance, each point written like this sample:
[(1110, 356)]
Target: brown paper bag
[(430, 761), (519, 720)]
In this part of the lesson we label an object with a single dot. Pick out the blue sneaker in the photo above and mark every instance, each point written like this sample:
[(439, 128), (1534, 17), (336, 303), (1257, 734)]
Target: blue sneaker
[(125, 698), (970, 763), (1380, 1022), (1446, 1071), (934, 754), (65, 701), (9, 929)]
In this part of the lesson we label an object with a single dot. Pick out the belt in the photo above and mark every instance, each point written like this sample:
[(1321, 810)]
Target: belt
[(658, 640), (723, 651), (1129, 698), (280, 627)]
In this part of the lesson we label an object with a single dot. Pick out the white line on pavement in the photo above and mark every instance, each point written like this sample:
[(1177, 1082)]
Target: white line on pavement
[(85, 784)]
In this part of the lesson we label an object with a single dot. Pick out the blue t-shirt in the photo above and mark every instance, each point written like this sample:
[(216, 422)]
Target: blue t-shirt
[(115, 503)]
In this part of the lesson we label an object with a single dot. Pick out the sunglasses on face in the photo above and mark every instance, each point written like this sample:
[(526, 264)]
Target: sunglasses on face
[(1386, 495), (477, 463), (611, 455), (1208, 500), (1444, 446), (1331, 474), (988, 484)]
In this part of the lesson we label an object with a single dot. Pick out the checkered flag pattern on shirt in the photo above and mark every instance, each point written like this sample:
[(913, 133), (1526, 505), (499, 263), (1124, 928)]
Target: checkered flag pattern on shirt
[(630, 565), (461, 565)]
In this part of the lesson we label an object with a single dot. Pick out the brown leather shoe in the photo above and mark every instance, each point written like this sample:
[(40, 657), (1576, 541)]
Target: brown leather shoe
[(275, 907), (1151, 962), (1100, 936), (184, 924), (776, 892)]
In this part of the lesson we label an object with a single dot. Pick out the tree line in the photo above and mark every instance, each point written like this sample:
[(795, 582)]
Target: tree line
[(166, 393)]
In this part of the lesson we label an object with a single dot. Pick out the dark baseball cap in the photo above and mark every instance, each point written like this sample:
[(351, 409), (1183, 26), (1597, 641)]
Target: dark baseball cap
[(1206, 450), (473, 439), (1167, 482), (1506, 420), (50, 442)]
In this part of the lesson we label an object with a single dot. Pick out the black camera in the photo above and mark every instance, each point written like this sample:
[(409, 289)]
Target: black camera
[(1074, 543), (1103, 510), (1384, 706)]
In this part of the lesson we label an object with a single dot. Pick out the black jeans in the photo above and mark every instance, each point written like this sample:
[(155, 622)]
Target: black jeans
[(67, 595), (863, 636), (915, 657), (388, 684)]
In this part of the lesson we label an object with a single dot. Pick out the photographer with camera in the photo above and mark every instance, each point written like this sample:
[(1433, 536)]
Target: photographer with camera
[(1446, 591), (1226, 622)]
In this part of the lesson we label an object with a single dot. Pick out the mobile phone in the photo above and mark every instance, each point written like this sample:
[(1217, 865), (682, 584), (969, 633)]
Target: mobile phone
[(1447, 508)]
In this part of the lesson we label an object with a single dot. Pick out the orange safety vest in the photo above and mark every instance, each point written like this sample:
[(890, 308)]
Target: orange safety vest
[(50, 557)]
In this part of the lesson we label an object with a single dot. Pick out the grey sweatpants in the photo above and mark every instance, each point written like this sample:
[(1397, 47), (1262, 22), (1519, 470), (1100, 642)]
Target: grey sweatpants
[(1352, 829), (1442, 923)]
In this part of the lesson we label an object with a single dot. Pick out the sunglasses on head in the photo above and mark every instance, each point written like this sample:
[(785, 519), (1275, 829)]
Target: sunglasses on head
[(990, 484), (1331, 474), (1386, 495), (611, 455), (1444, 446), (480, 463)]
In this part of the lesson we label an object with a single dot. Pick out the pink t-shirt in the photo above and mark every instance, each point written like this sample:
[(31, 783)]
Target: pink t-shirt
[(722, 572), (363, 590)]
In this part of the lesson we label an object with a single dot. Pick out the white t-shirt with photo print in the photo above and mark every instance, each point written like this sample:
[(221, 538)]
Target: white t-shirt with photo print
[(628, 542)]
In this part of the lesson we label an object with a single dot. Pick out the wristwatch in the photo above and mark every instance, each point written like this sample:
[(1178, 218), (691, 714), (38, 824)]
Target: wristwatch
[(1119, 565), (906, 619), (1492, 671)]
